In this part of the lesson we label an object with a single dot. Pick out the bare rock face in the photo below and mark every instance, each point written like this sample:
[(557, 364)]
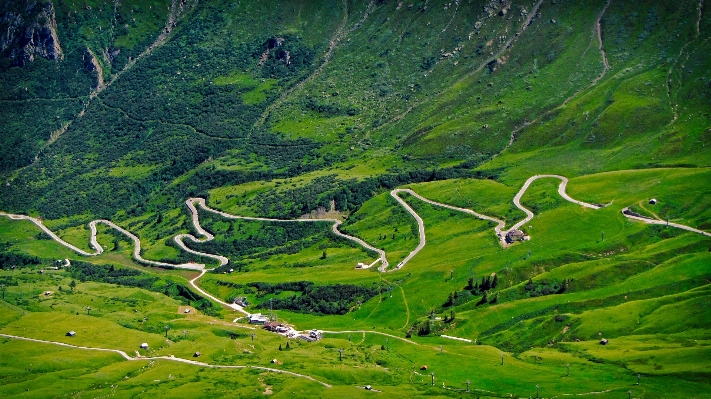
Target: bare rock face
[(30, 36)]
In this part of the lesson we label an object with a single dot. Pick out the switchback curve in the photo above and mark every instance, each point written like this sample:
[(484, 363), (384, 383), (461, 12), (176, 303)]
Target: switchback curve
[(499, 229)]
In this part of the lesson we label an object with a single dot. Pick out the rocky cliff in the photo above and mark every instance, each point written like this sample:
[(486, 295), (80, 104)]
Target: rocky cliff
[(29, 33)]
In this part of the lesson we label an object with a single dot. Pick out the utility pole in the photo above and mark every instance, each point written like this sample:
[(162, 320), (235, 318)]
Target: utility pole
[(88, 309), (603, 236), (440, 349), (629, 394), (536, 391), (568, 366), (451, 274), (432, 378), (467, 385), (387, 344), (502, 358), (185, 333), (638, 381), (166, 331), (349, 338), (272, 317), (252, 334), (667, 220), (340, 354)]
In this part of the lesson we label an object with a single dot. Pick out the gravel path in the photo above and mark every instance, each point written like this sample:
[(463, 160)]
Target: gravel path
[(169, 358), (662, 222)]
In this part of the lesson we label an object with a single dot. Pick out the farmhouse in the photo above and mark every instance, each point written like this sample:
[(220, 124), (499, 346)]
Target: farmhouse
[(271, 326), (71, 334), (257, 318), (516, 235)]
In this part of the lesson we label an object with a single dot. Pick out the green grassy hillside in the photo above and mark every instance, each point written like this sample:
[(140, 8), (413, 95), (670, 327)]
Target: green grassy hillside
[(294, 109)]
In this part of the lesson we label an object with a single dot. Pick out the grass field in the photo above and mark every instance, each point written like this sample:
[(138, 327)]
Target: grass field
[(642, 288), (294, 108)]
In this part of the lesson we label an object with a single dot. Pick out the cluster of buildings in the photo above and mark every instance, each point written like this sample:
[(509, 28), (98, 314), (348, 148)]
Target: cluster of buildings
[(283, 329)]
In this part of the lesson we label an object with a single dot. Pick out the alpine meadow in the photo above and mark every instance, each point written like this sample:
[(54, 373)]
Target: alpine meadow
[(355, 198)]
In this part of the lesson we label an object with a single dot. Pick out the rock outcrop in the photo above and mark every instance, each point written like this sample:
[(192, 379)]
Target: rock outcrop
[(30, 34)]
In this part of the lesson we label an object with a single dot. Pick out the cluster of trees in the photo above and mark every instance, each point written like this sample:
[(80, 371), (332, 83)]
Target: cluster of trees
[(277, 288), (329, 109), (545, 287), (322, 300), (287, 57), (244, 238), (84, 271), (349, 195), (10, 259), (487, 283), (150, 120), (473, 289)]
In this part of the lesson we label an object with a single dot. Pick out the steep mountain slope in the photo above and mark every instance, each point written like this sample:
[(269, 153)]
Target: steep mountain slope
[(406, 85), (123, 110)]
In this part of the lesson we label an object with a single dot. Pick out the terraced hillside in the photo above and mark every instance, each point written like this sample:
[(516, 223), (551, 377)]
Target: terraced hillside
[(415, 128)]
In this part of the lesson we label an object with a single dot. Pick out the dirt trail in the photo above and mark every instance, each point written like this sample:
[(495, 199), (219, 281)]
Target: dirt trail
[(371, 332), (625, 212), (601, 47), (672, 104), (176, 11), (169, 358), (338, 36), (606, 67), (502, 49)]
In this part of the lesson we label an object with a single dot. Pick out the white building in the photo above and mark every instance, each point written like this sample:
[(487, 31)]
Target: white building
[(257, 318)]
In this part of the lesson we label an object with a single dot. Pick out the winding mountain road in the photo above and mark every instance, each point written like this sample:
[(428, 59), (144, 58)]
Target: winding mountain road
[(382, 256), (203, 292), (97, 247), (561, 191), (336, 223), (662, 222)]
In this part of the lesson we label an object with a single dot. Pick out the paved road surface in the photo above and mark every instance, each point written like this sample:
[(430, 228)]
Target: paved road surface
[(206, 236)]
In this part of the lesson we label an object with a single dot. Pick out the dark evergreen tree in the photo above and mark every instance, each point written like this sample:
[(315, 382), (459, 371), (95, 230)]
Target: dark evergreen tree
[(470, 284), (450, 300), (563, 286), (484, 299), (495, 282)]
